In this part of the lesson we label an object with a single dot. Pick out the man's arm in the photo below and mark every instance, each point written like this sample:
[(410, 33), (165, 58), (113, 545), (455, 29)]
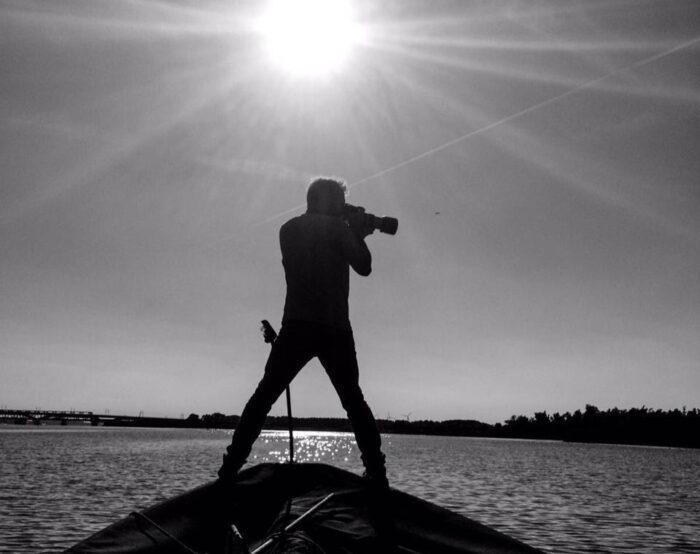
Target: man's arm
[(354, 248)]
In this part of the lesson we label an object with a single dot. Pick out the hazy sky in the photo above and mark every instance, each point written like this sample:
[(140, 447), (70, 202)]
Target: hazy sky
[(552, 260)]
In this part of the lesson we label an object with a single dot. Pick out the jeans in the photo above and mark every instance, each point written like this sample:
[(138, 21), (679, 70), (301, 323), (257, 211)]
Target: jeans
[(297, 343)]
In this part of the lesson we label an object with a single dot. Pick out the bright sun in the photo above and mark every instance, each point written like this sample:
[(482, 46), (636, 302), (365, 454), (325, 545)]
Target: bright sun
[(309, 38)]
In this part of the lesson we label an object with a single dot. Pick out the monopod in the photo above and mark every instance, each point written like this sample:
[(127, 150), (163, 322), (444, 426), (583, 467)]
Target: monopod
[(270, 336)]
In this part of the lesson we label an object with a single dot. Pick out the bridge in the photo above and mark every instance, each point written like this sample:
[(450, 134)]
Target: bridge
[(39, 417)]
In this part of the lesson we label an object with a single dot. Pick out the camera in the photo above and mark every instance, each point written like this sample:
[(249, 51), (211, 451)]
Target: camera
[(388, 225)]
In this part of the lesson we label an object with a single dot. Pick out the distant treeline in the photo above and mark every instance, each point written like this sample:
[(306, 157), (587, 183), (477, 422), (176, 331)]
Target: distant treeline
[(457, 427), (633, 426)]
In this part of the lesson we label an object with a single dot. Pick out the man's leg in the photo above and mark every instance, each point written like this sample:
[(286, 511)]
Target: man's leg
[(290, 352), (338, 357)]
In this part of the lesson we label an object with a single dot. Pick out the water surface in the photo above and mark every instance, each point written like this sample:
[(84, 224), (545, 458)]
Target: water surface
[(58, 484)]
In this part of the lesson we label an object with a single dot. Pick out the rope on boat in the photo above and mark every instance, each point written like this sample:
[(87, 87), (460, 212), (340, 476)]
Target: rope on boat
[(239, 539), (293, 524), (280, 536), (165, 532)]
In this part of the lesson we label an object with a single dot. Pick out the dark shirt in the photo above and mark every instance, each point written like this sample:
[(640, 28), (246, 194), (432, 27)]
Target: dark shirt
[(317, 251)]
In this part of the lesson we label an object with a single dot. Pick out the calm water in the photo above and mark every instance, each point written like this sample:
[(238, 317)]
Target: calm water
[(58, 485)]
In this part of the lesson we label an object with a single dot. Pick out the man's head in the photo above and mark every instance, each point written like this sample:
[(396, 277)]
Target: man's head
[(326, 195)]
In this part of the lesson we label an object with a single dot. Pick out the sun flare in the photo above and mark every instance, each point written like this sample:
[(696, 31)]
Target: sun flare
[(310, 37)]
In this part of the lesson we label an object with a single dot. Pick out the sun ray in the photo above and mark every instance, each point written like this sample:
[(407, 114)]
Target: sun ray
[(121, 146), (149, 21), (592, 177), (594, 67), (490, 44)]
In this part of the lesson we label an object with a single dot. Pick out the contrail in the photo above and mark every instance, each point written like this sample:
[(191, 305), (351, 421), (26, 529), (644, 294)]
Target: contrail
[(506, 119), (531, 109)]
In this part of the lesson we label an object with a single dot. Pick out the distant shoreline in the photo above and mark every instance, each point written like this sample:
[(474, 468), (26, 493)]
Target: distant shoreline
[(637, 426)]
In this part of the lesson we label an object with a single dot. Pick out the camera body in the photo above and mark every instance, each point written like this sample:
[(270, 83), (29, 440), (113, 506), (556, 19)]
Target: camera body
[(384, 224)]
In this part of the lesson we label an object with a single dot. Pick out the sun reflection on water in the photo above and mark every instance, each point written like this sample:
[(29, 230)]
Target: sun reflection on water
[(309, 446)]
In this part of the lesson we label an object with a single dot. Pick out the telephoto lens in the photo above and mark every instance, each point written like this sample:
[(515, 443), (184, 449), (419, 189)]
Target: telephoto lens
[(384, 224)]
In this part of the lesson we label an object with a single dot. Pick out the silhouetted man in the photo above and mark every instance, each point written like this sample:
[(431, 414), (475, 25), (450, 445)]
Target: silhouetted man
[(318, 249)]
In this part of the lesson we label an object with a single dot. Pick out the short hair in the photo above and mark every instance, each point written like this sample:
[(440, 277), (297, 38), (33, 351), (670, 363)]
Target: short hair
[(321, 190)]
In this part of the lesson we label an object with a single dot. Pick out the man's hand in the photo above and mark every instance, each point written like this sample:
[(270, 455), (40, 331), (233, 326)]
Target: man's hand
[(359, 224)]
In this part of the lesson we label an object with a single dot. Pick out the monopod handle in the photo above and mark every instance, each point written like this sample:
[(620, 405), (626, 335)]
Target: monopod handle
[(269, 333)]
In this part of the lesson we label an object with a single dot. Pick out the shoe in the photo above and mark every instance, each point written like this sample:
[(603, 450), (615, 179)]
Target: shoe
[(376, 481), (225, 485), (229, 469), (375, 472), (380, 511)]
